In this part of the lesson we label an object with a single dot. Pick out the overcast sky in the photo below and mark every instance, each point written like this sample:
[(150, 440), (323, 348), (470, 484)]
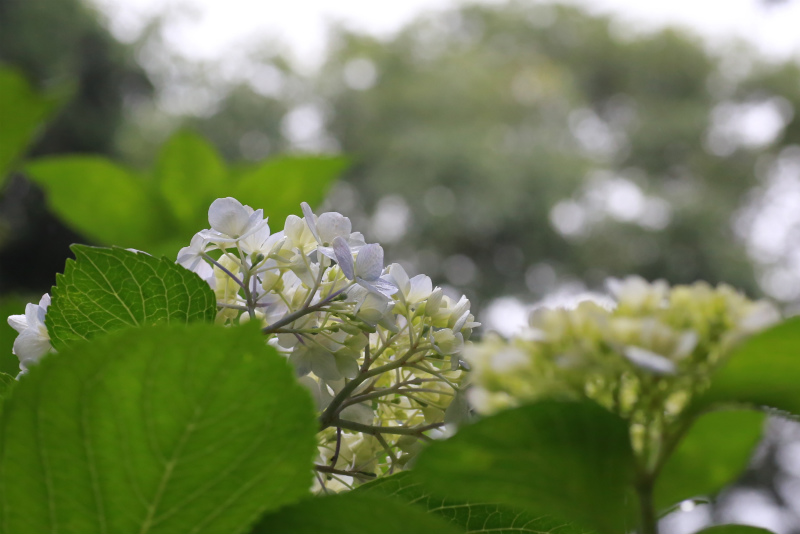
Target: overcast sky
[(210, 29)]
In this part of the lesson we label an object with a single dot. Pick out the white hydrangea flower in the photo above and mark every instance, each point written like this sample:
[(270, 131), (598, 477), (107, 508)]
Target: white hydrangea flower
[(192, 258), (637, 293), (299, 234), (413, 292), (231, 221), (328, 227), (367, 269), (33, 341)]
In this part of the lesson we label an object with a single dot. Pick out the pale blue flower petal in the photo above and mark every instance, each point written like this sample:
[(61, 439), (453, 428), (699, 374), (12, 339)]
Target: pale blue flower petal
[(344, 257), (369, 262)]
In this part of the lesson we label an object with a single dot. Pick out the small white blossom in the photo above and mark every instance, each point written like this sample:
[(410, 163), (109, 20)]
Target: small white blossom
[(231, 221), (367, 269), (192, 258), (327, 227), (412, 292), (638, 294), (650, 361), (33, 341)]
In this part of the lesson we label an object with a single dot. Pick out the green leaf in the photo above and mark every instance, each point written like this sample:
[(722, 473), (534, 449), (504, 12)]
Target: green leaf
[(105, 289), (191, 176), (568, 460), (190, 429), (22, 111), (352, 513), (98, 199), (472, 517), (763, 371), (281, 184), (734, 529), (6, 383), (710, 455)]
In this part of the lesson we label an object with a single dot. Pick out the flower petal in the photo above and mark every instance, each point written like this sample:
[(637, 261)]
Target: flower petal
[(311, 220), (228, 216), (369, 262), (18, 322), (331, 225), (323, 364), (256, 241), (346, 364), (358, 413), (421, 288), (31, 345), (649, 361), (400, 278), (379, 286), (344, 257)]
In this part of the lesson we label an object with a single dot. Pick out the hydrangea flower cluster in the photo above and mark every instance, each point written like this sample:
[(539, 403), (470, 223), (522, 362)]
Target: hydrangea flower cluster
[(644, 358), (379, 350)]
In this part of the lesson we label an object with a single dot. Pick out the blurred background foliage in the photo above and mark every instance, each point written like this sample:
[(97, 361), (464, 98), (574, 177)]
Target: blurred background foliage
[(548, 148), (517, 149), (59, 47), (524, 149), (514, 149)]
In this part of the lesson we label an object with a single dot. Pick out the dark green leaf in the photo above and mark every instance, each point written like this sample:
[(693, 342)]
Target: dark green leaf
[(6, 383), (473, 517), (764, 371), (281, 184), (734, 529), (22, 111), (568, 460), (104, 289), (190, 429), (99, 199), (712, 453), (191, 176), (352, 513)]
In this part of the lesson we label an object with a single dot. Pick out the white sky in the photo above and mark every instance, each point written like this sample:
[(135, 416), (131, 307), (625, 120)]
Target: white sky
[(210, 29)]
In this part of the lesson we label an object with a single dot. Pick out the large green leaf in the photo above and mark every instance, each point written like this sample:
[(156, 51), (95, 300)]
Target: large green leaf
[(472, 517), (6, 383), (711, 454), (734, 529), (105, 289), (22, 111), (99, 199), (279, 185), (112, 205), (191, 176), (764, 371), (352, 513), (568, 460), (191, 429)]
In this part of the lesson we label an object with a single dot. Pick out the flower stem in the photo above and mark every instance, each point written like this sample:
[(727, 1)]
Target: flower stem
[(292, 317), (647, 510)]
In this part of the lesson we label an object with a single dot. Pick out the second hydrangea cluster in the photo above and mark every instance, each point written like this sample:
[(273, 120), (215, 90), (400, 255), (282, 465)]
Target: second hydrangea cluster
[(644, 358)]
